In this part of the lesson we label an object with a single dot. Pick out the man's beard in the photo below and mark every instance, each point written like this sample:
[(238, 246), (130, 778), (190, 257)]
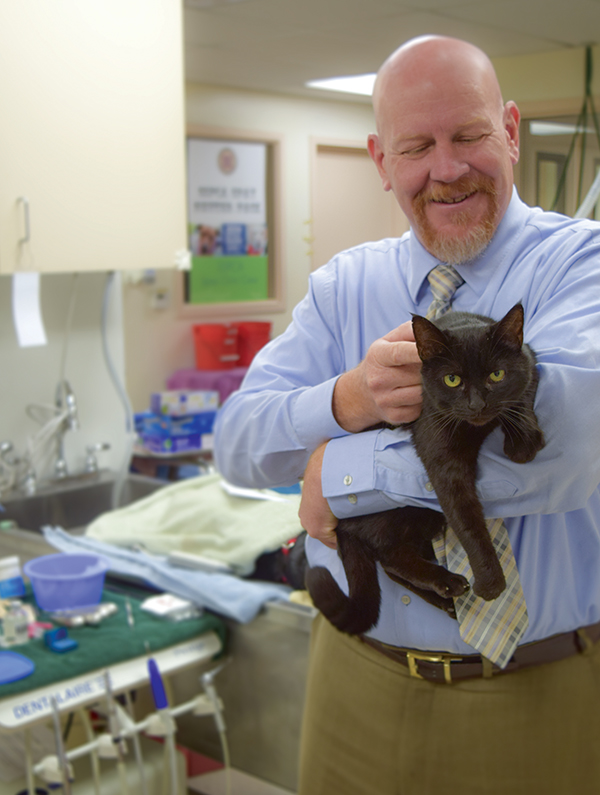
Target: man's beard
[(457, 249)]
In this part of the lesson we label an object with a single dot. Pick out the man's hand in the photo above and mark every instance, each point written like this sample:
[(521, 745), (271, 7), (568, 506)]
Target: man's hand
[(315, 514), (385, 387)]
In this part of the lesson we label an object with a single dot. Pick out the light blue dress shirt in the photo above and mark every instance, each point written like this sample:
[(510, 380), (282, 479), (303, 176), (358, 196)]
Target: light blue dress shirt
[(266, 431)]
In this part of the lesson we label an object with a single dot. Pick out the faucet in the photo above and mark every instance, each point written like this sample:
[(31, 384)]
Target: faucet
[(15, 471), (8, 465), (67, 405), (91, 462)]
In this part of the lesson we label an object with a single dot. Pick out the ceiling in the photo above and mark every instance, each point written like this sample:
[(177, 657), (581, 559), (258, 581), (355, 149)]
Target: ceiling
[(277, 45)]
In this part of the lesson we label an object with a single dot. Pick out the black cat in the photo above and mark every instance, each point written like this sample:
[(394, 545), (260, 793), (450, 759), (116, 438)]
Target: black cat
[(476, 374)]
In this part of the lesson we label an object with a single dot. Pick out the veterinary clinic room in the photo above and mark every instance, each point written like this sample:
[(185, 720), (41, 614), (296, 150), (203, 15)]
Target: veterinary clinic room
[(298, 377)]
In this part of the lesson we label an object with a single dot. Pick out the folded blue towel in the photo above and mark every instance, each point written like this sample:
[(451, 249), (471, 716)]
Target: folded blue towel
[(223, 593)]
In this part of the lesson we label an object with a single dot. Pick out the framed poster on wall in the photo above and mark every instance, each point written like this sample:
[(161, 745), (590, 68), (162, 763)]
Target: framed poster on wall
[(233, 224)]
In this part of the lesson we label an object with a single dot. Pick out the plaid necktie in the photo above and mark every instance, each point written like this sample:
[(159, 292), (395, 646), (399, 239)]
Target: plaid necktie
[(444, 281), (493, 628)]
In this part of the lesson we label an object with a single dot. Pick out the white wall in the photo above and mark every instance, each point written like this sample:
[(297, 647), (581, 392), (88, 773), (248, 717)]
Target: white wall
[(30, 375), (157, 341)]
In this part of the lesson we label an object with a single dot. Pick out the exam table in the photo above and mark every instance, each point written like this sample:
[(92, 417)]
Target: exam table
[(121, 646), (262, 688)]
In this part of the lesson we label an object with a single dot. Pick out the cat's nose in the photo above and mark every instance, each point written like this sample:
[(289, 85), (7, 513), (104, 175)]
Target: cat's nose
[(475, 403)]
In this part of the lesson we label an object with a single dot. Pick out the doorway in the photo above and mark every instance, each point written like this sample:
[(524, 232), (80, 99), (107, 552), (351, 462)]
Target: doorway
[(547, 144)]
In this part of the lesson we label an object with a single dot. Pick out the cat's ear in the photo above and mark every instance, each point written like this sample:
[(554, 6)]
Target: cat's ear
[(510, 329), (430, 340)]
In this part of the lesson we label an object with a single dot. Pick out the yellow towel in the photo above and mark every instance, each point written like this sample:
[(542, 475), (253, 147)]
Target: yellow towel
[(198, 516)]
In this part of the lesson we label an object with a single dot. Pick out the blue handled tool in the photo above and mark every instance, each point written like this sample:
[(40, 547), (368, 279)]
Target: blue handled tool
[(162, 705), (158, 688)]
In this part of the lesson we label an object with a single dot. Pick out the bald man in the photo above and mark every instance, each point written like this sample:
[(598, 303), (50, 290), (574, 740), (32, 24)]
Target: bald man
[(411, 708)]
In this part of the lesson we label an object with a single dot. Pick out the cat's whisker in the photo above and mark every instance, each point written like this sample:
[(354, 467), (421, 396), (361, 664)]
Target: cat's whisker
[(439, 423), (517, 413), (517, 422)]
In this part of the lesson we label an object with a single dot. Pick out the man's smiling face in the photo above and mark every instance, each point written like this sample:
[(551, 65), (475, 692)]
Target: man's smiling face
[(446, 147)]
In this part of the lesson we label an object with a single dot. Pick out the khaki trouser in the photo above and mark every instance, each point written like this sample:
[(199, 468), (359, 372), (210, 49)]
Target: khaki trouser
[(371, 729)]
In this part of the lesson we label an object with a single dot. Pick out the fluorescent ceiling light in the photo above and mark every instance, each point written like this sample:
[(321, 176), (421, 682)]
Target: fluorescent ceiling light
[(553, 128), (210, 3), (352, 84)]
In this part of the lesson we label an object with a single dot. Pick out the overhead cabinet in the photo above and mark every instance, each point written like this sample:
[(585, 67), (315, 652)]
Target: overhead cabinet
[(92, 135)]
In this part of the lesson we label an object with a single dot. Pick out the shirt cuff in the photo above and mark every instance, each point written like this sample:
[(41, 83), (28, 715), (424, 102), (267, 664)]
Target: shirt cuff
[(347, 476), (312, 415)]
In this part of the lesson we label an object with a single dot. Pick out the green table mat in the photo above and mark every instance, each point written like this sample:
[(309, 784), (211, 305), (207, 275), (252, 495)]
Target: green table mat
[(112, 641)]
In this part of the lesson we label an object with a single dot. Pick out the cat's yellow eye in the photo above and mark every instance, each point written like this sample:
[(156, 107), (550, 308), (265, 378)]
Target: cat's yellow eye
[(452, 380), (497, 375)]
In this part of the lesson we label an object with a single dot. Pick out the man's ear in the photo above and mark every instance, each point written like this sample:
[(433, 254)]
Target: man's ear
[(511, 118), (378, 157)]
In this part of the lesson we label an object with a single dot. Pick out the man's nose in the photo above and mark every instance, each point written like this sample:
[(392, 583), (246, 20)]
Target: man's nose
[(447, 163)]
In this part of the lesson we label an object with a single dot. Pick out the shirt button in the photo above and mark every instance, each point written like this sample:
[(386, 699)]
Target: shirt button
[(347, 480), (406, 599), (429, 486), (353, 499)]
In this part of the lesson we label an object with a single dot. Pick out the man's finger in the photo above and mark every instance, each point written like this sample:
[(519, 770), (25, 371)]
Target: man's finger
[(402, 333), (402, 354)]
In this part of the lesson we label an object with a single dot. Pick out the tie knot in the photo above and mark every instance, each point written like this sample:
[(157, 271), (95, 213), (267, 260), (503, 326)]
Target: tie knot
[(444, 281)]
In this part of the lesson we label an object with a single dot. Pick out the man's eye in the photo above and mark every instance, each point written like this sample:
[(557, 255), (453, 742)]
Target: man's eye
[(471, 139), (452, 380), (416, 150)]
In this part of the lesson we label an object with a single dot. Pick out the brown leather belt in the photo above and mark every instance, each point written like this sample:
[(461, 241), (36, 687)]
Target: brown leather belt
[(446, 667)]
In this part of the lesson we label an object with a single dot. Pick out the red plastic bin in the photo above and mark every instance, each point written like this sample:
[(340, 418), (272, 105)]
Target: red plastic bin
[(216, 346), (252, 336)]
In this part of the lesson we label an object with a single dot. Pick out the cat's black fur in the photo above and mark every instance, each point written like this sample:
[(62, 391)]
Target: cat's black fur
[(497, 385)]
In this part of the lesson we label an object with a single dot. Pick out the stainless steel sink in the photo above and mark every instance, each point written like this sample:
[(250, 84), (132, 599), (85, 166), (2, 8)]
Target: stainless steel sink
[(74, 502)]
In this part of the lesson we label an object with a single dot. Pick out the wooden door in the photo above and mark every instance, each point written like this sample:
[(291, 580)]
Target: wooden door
[(349, 203)]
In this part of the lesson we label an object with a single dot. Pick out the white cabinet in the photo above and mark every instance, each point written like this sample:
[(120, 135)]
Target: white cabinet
[(92, 135)]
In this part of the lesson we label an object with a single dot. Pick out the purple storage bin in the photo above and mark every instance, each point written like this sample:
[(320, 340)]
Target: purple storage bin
[(223, 381)]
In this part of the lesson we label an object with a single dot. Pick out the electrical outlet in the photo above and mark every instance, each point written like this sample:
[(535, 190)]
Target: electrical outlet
[(160, 299)]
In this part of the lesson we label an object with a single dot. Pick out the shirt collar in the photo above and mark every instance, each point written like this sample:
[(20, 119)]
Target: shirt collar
[(476, 273)]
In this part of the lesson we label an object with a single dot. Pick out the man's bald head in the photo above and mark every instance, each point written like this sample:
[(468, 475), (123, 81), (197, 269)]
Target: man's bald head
[(428, 59), (445, 143)]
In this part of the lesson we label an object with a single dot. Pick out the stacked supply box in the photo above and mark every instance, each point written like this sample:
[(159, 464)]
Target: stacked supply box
[(179, 402), (179, 421)]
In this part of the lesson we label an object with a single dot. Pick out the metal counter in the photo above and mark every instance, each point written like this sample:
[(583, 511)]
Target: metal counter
[(262, 689)]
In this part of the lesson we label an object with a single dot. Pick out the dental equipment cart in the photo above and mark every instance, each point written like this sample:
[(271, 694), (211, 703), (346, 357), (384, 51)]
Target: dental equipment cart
[(110, 660)]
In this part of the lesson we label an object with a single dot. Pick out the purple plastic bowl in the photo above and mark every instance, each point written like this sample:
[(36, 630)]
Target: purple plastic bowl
[(67, 581)]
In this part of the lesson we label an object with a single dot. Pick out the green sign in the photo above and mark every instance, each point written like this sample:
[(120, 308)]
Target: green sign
[(223, 279)]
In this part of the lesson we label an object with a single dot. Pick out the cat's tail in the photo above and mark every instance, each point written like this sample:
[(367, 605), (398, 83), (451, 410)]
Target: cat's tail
[(359, 611)]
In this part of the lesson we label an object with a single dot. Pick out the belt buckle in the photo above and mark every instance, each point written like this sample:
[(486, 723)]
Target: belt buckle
[(445, 659)]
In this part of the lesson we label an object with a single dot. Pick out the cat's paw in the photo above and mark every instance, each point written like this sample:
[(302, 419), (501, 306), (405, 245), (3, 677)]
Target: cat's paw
[(450, 608), (490, 586), (450, 585), (523, 449)]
